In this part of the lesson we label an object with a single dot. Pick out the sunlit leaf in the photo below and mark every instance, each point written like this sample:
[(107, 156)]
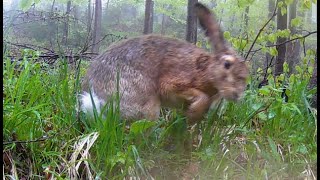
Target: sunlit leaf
[(273, 51), (272, 38), (283, 10), (296, 22), (307, 4)]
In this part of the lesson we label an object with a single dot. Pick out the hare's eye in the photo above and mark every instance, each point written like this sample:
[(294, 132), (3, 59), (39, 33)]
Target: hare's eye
[(227, 64)]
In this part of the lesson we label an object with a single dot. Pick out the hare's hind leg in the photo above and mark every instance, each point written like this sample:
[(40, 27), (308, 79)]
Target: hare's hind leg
[(147, 107), (139, 99), (151, 109)]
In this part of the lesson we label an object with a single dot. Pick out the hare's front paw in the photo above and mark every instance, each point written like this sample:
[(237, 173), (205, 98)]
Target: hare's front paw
[(199, 105)]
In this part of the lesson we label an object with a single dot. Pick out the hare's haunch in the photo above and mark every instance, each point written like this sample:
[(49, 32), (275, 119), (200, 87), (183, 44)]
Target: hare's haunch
[(155, 71)]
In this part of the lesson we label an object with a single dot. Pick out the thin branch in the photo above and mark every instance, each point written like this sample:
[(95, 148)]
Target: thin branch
[(272, 45), (302, 37), (260, 31), (104, 38), (28, 46)]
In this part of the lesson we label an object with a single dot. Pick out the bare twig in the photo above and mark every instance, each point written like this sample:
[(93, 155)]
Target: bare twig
[(112, 35)]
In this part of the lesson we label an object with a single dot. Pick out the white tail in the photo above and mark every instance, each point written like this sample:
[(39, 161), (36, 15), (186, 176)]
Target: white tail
[(87, 103)]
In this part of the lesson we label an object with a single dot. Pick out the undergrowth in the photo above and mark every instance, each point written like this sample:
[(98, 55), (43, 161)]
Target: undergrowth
[(261, 137)]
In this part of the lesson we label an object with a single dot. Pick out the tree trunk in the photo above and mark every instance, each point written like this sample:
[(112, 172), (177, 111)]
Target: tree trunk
[(246, 18), (66, 25), (148, 19), (281, 25), (52, 26), (97, 26), (163, 24), (89, 20), (76, 13), (191, 34), (270, 13), (293, 47)]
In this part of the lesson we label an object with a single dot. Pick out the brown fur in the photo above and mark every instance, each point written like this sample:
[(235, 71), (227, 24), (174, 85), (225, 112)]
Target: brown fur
[(160, 71)]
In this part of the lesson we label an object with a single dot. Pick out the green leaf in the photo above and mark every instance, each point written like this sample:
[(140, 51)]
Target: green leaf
[(243, 43), (307, 4), (292, 78), (312, 91), (304, 60), (310, 70), (257, 106), (236, 44), (141, 126), (298, 68), (259, 70), (264, 90), (286, 67), (273, 51), (310, 52), (286, 33), (271, 114), (262, 116), (272, 38), (276, 90), (264, 49), (296, 22), (227, 35), (312, 61), (280, 77), (283, 10)]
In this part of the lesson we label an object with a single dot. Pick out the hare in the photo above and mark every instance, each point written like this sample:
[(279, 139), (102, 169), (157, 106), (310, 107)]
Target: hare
[(155, 71)]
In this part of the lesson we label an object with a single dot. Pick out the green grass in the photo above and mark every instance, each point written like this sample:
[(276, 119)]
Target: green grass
[(260, 137)]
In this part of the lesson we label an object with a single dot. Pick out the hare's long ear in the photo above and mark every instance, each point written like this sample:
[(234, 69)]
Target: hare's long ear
[(212, 29)]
